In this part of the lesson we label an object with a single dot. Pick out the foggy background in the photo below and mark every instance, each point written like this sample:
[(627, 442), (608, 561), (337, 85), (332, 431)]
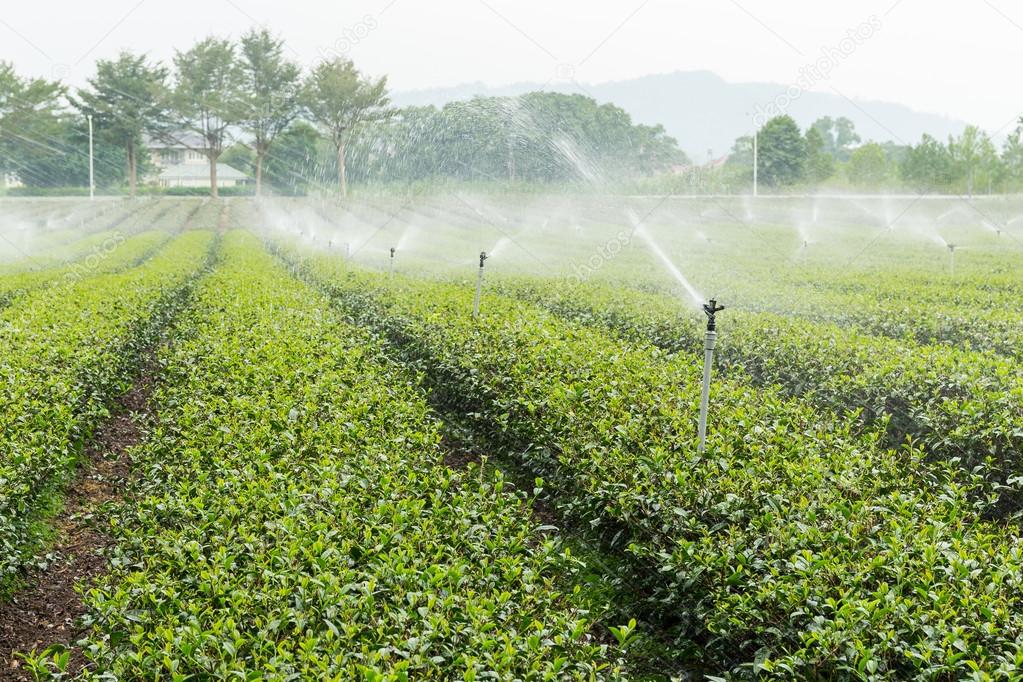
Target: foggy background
[(945, 58)]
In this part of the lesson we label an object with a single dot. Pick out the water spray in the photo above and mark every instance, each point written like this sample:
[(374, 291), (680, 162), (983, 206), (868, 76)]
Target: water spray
[(711, 308), (390, 273), (479, 286)]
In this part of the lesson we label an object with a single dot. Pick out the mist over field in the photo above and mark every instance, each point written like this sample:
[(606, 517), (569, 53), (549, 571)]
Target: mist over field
[(695, 353)]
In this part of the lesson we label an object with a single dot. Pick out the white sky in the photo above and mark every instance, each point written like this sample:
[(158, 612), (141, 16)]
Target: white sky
[(952, 57)]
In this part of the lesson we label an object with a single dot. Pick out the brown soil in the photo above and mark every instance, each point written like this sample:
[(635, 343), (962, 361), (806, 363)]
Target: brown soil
[(457, 454), (48, 610), (225, 217), (460, 454)]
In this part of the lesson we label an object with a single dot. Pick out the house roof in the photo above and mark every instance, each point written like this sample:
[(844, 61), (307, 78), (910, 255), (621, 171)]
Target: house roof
[(175, 140), (194, 171)]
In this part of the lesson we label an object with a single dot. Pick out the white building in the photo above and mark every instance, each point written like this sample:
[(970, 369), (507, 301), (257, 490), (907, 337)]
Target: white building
[(182, 163), (10, 181)]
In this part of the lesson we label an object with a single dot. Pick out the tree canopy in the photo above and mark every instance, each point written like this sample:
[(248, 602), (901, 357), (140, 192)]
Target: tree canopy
[(127, 99)]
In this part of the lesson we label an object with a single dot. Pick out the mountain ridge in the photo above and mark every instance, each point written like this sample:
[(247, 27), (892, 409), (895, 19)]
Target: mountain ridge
[(706, 113)]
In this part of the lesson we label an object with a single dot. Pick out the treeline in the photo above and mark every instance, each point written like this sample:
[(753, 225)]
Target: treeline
[(830, 152), (218, 90), (540, 137), (253, 108)]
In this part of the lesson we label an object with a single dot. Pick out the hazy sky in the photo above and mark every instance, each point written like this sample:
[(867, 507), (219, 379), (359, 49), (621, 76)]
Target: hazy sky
[(952, 57)]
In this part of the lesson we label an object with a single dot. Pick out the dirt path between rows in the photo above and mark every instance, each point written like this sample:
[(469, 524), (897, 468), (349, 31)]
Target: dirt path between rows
[(48, 610), (225, 217)]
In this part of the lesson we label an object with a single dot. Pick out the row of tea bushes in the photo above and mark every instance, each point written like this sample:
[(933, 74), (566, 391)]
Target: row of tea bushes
[(958, 405), (293, 517), (66, 351), (793, 547), (103, 253)]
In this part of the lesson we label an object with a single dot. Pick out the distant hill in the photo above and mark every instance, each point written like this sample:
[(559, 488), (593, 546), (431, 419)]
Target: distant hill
[(706, 113)]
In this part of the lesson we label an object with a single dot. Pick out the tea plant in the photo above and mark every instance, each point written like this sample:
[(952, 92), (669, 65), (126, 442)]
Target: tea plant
[(68, 350), (958, 405), (796, 546), (294, 519)]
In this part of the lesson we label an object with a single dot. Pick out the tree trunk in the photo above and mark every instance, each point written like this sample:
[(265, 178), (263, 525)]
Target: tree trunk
[(213, 177), (259, 173), (511, 159), (132, 169), (342, 180)]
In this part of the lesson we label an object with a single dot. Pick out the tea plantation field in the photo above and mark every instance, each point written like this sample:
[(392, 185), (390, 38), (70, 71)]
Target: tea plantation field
[(329, 468)]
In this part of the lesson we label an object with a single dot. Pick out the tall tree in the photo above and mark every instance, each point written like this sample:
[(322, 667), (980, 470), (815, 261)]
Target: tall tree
[(966, 151), (272, 90), (29, 110), (127, 99), (339, 98), (288, 166), (846, 138), (928, 166), (868, 166), (59, 157), (820, 164), (208, 96), (825, 127), (537, 137), (839, 136), (1012, 158), (781, 152)]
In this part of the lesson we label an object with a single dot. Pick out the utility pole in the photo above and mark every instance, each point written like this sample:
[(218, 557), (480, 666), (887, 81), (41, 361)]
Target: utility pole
[(92, 173), (756, 155)]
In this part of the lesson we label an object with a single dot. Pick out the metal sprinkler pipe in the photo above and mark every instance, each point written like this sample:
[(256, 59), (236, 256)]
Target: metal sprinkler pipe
[(952, 259), (479, 286), (711, 308), (390, 273)]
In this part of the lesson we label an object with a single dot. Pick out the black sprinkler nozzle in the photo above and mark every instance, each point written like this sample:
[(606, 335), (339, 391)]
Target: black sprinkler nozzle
[(392, 252), (483, 257), (711, 309)]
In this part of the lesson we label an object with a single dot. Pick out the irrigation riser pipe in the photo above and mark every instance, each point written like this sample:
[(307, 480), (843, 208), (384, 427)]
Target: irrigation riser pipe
[(479, 286), (710, 341)]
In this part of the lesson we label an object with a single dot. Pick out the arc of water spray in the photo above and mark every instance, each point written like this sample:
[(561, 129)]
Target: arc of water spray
[(499, 247), (637, 227)]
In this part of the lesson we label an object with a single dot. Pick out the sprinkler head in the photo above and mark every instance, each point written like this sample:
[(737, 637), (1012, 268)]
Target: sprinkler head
[(712, 308), (952, 248), (392, 252), (483, 257)]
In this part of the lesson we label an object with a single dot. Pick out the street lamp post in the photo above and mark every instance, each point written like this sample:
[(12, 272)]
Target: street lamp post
[(756, 154), (92, 172)]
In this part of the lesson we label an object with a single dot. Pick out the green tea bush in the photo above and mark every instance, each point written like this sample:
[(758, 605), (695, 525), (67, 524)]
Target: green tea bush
[(293, 517), (796, 546), (68, 350), (959, 405)]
